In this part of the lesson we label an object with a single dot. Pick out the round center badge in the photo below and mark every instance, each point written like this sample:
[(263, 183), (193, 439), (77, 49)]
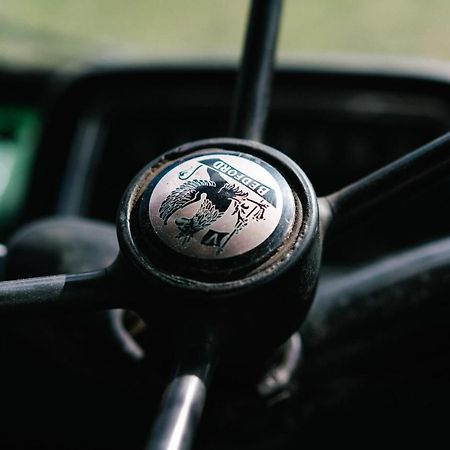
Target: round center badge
[(219, 205)]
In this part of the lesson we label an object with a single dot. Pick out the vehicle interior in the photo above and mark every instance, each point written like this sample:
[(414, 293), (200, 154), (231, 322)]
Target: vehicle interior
[(368, 360)]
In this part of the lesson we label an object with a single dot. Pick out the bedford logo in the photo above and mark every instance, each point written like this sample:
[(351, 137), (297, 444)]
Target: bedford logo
[(263, 191), (211, 201)]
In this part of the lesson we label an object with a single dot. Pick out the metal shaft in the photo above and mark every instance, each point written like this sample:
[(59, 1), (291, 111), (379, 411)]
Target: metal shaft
[(180, 414), (252, 94)]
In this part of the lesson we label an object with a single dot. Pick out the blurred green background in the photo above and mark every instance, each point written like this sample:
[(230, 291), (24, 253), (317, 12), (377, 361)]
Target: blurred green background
[(63, 31)]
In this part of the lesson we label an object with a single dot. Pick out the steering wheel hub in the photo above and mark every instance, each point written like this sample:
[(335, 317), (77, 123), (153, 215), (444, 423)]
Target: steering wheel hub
[(218, 214)]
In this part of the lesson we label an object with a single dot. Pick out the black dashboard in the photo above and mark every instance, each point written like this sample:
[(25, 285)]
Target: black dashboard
[(103, 125)]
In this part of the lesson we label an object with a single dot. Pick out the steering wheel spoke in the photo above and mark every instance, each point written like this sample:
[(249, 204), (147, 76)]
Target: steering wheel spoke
[(252, 96), (185, 396), (410, 172), (79, 292)]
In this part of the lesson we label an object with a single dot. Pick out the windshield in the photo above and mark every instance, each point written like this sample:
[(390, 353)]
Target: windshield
[(52, 32)]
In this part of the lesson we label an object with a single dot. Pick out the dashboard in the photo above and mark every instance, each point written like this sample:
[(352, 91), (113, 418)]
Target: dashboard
[(103, 125)]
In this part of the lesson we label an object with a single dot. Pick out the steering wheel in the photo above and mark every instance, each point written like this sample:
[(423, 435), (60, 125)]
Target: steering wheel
[(229, 233)]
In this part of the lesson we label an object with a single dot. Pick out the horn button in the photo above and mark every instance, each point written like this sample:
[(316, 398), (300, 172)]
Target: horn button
[(219, 205)]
